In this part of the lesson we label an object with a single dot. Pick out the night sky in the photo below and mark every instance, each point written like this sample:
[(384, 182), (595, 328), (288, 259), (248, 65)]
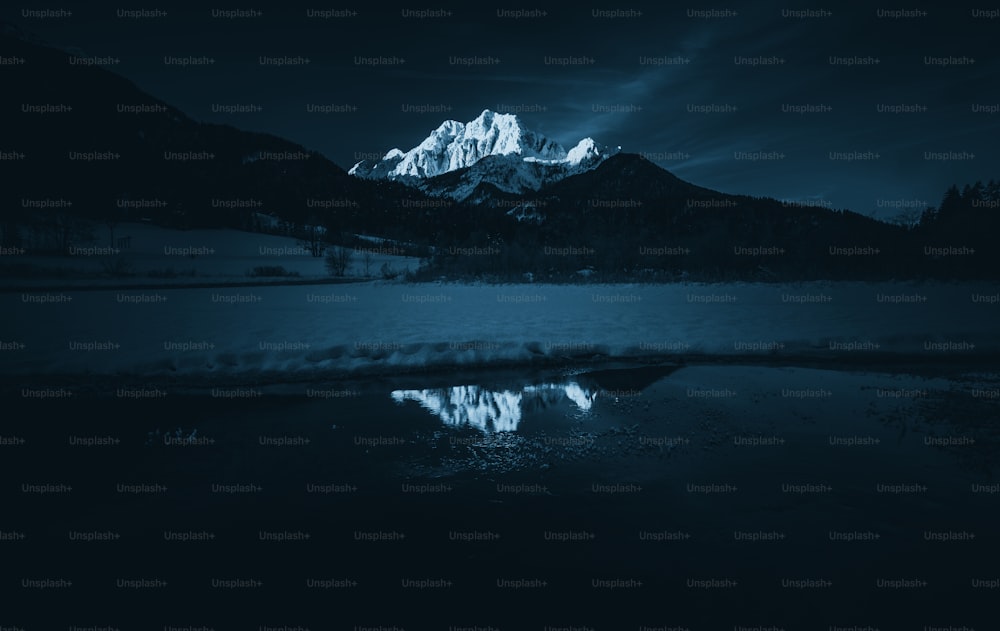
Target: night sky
[(640, 78)]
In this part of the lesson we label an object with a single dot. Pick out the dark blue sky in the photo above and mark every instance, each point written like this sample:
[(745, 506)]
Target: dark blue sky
[(703, 61)]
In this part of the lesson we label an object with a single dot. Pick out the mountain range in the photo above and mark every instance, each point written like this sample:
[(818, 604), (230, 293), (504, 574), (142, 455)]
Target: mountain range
[(487, 185), (491, 151)]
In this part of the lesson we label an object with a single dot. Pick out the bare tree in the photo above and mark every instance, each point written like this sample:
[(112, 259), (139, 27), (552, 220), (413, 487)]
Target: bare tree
[(57, 232), (111, 223), (367, 259), (338, 259), (312, 240)]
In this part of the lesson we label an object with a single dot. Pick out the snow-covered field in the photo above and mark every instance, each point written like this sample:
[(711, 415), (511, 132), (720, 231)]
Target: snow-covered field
[(156, 255), (301, 332)]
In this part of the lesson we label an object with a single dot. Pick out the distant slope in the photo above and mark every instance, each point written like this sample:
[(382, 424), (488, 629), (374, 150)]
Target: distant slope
[(149, 150)]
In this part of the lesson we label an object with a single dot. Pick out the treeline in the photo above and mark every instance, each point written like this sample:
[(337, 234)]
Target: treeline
[(739, 238)]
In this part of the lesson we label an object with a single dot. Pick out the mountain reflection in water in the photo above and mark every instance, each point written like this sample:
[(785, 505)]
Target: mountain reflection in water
[(493, 410)]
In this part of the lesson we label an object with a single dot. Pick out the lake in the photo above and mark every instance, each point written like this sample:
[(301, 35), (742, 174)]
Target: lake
[(711, 495)]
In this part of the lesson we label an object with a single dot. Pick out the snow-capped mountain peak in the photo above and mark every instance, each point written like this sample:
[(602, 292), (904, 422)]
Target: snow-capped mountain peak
[(455, 145), (586, 149)]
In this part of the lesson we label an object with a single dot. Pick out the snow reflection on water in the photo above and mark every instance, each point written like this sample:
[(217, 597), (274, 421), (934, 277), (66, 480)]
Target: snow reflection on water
[(493, 410)]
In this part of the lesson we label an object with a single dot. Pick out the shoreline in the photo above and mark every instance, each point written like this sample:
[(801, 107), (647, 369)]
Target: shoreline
[(888, 363)]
